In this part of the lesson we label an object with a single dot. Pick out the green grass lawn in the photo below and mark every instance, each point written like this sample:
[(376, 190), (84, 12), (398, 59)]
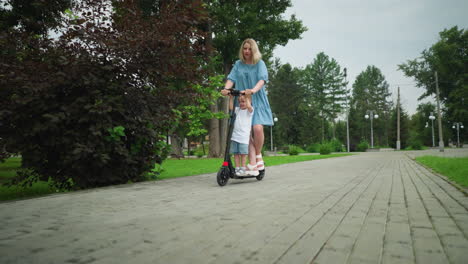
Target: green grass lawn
[(7, 171), (456, 169), (8, 168), (173, 168)]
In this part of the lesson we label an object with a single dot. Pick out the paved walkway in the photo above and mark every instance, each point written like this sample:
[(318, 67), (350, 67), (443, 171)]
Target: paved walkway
[(367, 208)]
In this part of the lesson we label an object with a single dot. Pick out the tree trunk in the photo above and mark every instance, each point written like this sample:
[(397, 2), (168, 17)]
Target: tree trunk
[(202, 141), (176, 150), (323, 130), (215, 147), (188, 146), (334, 129)]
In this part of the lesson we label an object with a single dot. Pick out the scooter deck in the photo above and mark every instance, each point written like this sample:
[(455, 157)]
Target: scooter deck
[(247, 177), (243, 177)]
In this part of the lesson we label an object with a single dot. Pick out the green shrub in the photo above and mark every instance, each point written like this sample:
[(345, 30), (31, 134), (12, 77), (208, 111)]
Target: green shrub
[(416, 145), (362, 146), (326, 148), (199, 152), (294, 150), (189, 153), (313, 148), (336, 145), (414, 141)]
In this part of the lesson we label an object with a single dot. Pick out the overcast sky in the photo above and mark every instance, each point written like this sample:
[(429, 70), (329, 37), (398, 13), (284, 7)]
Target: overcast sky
[(383, 33)]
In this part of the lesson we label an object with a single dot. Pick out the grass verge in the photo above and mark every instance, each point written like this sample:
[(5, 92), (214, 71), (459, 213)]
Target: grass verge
[(172, 168), (8, 171), (456, 169)]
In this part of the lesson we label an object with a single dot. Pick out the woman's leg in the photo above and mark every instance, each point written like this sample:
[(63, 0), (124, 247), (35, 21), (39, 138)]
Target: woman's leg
[(258, 141), (252, 152), (252, 166)]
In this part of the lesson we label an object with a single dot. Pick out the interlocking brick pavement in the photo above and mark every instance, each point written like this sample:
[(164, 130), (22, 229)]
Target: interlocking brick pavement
[(378, 207)]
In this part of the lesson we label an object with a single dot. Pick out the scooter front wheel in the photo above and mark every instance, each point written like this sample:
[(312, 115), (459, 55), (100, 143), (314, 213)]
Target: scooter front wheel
[(261, 175), (223, 176)]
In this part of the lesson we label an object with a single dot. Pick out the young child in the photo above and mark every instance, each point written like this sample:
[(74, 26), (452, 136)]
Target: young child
[(241, 134)]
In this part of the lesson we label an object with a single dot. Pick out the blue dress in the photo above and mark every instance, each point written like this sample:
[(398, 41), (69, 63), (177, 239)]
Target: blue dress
[(246, 76)]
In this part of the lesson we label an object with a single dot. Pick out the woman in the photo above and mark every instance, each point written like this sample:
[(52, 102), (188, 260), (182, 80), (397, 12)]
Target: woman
[(250, 75)]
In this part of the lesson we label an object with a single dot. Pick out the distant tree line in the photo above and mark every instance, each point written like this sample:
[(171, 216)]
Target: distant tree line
[(312, 103)]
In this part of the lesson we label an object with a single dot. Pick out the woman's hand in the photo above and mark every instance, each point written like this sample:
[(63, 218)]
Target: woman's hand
[(248, 92), (225, 92), (227, 88)]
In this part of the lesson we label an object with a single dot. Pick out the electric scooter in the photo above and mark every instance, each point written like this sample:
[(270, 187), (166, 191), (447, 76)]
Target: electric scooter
[(227, 169)]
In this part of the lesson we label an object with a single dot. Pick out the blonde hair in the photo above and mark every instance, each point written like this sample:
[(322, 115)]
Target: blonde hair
[(256, 55)]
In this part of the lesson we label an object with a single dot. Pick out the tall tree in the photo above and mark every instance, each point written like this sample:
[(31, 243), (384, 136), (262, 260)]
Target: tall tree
[(90, 108), (288, 104), (370, 92), (190, 124), (340, 131), (325, 87), (191, 120), (421, 123), (448, 56), (235, 20), (263, 20)]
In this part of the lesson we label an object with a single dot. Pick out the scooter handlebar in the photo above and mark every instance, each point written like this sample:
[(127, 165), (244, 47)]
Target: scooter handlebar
[(236, 92)]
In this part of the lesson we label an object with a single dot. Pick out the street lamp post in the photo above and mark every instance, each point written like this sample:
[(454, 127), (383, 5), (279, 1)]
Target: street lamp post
[(439, 114), (432, 117), (371, 114), (458, 125), (271, 132), (347, 111), (347, 129)]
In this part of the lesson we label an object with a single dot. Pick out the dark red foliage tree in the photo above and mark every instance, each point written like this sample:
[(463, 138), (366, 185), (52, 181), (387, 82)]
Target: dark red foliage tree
[(91, 108)]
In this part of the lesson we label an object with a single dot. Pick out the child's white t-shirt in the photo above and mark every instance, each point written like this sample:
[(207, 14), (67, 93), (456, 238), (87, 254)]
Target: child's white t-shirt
[(242, 126)]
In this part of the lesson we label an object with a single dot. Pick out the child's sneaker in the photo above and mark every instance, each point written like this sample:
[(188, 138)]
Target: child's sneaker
[(241, 172)]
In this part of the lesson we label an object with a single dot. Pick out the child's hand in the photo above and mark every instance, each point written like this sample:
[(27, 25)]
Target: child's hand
[(248, 99), (248, 103)]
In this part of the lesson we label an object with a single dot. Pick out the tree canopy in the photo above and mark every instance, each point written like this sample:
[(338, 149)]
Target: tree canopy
[(36, 16), (325, 86), (93, 107), (448, 57), (370, 93), (236, 20)]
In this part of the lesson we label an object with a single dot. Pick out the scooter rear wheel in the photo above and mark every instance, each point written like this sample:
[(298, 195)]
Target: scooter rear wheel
[(223, 176), (261, 175)]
